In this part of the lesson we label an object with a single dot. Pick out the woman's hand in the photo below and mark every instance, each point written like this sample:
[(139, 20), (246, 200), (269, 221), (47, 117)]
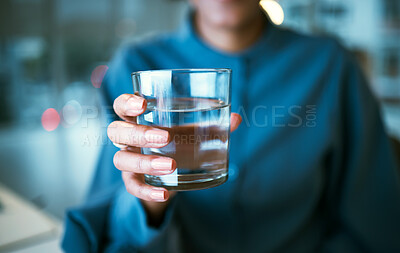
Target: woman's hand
[(129, 136)]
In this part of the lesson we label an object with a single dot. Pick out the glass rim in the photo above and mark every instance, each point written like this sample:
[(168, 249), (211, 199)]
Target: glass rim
[(189, 70)]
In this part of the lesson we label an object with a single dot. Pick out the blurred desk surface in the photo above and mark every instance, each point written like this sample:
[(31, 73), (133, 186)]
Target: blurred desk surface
[(391, 115), (51, 169), (24, 228)]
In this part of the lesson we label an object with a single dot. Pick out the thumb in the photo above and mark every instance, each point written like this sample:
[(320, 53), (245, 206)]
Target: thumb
[(236, 119)]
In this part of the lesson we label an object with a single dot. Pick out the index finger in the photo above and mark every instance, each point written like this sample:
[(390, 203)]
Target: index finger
[(129, 105)]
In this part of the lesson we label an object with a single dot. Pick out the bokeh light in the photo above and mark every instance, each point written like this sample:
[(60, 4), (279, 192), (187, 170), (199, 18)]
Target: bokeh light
[(274, 11), (50, 119), (98, 75), (72, 112)]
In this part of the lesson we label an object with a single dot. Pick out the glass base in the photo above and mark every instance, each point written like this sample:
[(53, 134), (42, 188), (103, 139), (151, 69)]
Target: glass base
[(187, 182)]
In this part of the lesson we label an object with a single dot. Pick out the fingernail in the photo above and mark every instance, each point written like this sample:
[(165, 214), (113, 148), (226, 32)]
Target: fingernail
[(156, 136), (157, 194), (135, 103), (163, 164)]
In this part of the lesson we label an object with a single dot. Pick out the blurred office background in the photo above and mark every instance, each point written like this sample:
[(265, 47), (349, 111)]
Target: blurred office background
[(53, 51)]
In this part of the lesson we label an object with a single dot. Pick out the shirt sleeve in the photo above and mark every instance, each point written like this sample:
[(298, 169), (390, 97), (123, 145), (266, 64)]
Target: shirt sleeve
[(128, 227), (364, 198)]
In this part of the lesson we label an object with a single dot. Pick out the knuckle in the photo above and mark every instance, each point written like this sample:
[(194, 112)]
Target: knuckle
[(115, 105), (124, 97), (133, 131), (110, 129), (119, 103), (117, 159), (126, 177), (129, 185), (141, 191), (129, 189), (135, 135), (123, 175), (141, 166)]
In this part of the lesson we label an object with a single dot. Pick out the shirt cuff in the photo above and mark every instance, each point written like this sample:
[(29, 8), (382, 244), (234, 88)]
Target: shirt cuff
[(128, 221)]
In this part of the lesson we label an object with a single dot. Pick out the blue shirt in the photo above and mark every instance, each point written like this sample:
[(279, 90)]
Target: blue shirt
[(311, 167)]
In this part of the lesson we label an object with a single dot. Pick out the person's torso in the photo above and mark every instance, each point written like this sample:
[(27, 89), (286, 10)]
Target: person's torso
[(285, 90)]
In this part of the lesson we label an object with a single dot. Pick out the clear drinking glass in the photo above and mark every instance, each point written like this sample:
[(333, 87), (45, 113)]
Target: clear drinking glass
[(194, 106)]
